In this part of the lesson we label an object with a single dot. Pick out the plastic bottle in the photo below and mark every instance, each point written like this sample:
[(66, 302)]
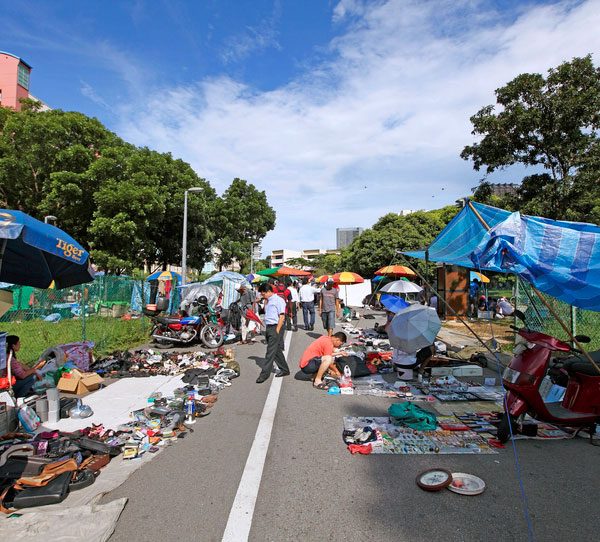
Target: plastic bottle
[(190, 409), (346, 380)]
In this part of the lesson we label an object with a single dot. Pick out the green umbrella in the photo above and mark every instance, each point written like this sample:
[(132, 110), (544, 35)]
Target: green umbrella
[(268, 272)]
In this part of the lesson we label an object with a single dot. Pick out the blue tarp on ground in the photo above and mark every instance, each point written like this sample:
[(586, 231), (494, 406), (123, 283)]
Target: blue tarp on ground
[(559, 258)]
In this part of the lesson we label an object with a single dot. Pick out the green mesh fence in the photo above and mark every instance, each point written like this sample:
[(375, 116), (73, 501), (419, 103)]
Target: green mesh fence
[(106, 312), (539, 317)]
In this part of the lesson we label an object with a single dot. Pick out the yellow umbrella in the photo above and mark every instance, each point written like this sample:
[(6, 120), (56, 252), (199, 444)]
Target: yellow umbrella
[(479, 276)]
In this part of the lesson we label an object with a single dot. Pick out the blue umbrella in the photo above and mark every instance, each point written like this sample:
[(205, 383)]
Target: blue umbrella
[(35, 254), (393, 303)]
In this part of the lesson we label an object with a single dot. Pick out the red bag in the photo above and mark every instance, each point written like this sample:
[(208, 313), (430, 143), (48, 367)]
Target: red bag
[(4, 382)]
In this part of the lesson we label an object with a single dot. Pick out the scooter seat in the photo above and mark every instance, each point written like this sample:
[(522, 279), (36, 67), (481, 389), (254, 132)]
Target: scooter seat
[(581, 367), (164, 320)]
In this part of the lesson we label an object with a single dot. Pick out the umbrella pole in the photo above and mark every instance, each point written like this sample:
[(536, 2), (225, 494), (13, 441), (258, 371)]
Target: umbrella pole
[(448, 305), (539, 294), (2, 253)]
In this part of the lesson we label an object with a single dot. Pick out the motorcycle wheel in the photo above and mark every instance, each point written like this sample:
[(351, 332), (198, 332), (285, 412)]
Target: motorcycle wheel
[(212, 335), (504, 429), (164, 343)]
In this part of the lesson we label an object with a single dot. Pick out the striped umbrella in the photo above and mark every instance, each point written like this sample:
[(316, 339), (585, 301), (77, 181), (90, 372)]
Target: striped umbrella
[(323, 278), (346, 277), (396, 271)]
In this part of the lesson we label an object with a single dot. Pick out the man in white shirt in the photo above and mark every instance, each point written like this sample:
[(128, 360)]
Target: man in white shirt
[(307, 300)]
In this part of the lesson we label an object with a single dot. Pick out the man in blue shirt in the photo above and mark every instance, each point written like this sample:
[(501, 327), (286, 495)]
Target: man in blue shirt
[(274, 319), (473, 295)]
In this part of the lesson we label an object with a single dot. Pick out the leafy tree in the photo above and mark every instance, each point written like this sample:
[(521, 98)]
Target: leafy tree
[(327, 264), (299, 262), (551, 124), (376, 247), (243, 216)]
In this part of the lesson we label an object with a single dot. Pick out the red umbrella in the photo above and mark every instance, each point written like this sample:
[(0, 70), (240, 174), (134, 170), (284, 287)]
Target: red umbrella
[(251, 315), (396, 271), (324, 278)]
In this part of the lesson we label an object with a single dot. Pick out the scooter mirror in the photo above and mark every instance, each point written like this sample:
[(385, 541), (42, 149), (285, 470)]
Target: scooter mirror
[(583, 338), (519, 315)]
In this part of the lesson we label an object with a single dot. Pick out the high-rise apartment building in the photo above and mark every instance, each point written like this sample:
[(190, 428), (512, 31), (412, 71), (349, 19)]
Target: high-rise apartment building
[(345, 236)]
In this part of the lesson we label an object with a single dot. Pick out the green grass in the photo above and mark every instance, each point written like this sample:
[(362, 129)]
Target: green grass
[(108, 334)]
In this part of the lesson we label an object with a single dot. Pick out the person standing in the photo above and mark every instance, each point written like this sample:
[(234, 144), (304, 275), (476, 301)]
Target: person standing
[(293, 304), (473, 297), (329, 306), (307, 300), (246, 302), (274, 319)]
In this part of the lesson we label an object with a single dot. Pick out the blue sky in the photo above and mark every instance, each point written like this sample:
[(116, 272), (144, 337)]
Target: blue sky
[(341, 110)]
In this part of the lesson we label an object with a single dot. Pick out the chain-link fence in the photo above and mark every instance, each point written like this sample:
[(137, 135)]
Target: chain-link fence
[(539, 317), (107, 311)]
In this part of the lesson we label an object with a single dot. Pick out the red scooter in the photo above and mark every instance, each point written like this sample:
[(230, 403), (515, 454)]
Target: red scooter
[(580, 406)]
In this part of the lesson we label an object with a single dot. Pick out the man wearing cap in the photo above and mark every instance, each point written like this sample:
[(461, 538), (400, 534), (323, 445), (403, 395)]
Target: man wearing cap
[(247, 301), (274, 318), (329, 306)]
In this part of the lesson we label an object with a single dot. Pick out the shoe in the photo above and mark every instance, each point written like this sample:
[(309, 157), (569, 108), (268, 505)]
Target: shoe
[(282, 373), (262, 379), (295, 329)]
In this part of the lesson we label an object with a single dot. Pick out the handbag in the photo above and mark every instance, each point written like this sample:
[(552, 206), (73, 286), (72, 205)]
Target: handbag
[(358, 366), (53, 492)]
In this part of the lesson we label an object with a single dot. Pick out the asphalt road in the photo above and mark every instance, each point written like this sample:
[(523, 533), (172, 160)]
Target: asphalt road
[(313, 489)]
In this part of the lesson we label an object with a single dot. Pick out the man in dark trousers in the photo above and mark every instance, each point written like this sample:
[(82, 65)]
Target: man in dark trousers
[(274, 319)]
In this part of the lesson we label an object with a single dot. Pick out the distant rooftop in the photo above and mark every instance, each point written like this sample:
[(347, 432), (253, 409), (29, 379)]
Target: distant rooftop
[(15, 56)]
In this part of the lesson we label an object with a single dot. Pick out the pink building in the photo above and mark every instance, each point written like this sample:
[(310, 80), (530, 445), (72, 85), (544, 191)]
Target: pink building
[(14, 80)]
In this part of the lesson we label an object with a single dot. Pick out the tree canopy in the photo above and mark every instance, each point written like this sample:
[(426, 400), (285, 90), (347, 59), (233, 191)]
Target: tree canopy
[(376, 247), (121, 202), (551, 124)]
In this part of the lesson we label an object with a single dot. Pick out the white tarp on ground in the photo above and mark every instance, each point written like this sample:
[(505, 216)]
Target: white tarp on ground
[(69, 520), (353, 294)]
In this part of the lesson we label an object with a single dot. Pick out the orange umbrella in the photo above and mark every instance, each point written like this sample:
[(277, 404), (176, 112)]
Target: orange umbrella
[(346, 277), (396, 271), (283, 270), (323, 278)]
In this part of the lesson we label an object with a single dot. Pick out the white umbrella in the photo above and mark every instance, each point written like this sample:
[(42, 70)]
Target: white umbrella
[(401, 287), (414, 328)]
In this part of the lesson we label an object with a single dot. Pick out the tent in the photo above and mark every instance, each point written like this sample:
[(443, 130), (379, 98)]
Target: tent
[(229, 283), (559, 258)]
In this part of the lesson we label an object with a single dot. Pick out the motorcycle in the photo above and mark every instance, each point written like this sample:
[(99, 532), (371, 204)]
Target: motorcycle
[(580, 406), (171, 331)]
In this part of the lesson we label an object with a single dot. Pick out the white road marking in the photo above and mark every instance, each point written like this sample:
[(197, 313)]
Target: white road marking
[(241, 514)]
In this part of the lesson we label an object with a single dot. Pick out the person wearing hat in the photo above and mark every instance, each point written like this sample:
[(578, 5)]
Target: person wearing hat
[(329, 306), (247, 301)]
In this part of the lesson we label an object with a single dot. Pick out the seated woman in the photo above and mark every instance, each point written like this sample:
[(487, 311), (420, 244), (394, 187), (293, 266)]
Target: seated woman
[(504, 308), (24, 375)]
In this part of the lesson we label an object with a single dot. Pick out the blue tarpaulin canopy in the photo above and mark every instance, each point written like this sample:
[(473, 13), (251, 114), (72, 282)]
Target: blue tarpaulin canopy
[(559, 258)]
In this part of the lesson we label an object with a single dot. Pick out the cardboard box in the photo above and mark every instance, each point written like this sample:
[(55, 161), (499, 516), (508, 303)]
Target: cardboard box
[(79, 382)]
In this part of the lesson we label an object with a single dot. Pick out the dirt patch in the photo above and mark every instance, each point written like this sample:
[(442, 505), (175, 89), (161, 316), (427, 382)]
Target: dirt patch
[(484, 329)]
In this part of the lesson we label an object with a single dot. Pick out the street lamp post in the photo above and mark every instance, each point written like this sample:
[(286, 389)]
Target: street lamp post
[(184, 242)]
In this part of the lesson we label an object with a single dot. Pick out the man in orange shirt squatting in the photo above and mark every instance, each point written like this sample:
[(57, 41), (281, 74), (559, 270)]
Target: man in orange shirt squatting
[(318, 358)]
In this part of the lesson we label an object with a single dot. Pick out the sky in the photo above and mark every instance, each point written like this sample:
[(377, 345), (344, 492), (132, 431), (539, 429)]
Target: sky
[(340, 110)]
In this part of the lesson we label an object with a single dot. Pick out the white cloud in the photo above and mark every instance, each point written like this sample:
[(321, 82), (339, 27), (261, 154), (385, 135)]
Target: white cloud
[(389, 111)]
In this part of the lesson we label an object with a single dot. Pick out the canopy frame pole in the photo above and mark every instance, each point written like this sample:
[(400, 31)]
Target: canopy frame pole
[(2, 250), (552, 311), (447, 305)]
